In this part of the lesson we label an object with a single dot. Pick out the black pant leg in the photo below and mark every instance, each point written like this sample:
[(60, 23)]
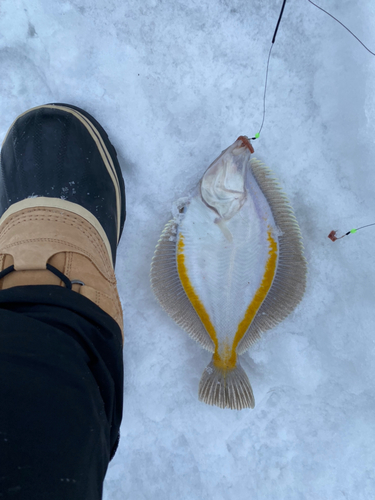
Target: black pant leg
[(61, 384)]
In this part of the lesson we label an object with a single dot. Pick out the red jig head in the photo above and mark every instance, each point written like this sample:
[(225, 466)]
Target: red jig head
[(332, 236)]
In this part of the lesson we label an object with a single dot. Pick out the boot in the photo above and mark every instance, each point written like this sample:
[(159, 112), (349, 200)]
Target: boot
[(62, 205)]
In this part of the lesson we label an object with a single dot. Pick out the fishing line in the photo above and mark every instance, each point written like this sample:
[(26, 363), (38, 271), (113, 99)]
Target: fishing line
[(343, 25), (268, 63), (269, 55)]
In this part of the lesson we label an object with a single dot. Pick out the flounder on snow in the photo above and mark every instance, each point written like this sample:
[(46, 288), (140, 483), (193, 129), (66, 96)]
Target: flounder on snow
[(230, 267)]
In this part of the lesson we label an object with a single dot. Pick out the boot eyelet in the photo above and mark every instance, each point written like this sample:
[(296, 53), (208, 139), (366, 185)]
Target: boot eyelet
[(77, 282)]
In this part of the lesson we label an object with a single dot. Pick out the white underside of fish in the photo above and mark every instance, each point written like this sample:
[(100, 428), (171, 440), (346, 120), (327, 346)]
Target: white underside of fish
[(226, 261)]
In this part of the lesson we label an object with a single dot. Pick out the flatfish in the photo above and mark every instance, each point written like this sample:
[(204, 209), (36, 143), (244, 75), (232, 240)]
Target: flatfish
[(229, 267)]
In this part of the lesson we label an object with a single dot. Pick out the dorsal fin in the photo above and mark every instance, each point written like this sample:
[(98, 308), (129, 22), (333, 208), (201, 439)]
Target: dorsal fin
[(289, 283), (166, 285)]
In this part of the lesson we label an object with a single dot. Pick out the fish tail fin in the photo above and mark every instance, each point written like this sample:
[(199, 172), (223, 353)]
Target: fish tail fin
[(226, 388)]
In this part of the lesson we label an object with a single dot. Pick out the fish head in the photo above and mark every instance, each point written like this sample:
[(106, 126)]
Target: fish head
[(222, 186)]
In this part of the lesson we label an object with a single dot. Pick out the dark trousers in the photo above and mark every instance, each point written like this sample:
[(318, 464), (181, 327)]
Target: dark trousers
[(61, 394)]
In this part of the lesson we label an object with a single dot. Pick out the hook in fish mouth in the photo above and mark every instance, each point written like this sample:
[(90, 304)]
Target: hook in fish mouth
[(246, 142)]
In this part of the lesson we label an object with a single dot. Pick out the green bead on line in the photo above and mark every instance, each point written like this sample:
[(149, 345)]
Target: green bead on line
[(256, 136), (353, 230)]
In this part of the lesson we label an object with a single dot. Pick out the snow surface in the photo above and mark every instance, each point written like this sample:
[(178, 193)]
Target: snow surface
[(174, 82)]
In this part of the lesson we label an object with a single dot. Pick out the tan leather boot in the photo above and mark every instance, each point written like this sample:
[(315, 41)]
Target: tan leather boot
[(62, 205)]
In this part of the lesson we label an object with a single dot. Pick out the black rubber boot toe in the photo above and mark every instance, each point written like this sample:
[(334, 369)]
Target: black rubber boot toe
[(60, 151)]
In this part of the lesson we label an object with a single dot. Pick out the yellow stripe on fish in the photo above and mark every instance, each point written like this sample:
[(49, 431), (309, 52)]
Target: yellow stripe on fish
[(261, 293), (190, 292)]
